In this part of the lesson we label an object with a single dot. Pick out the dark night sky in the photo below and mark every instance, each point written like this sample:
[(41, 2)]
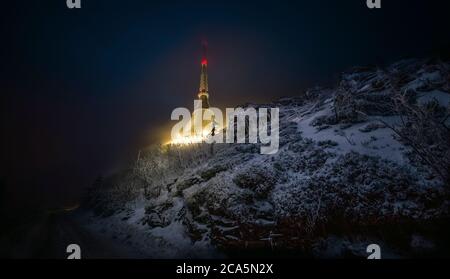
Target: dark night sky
[(82, 90)]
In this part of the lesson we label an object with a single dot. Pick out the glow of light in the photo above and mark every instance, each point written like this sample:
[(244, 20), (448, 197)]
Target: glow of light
[(204, 61), (185, 140), (192, 139)]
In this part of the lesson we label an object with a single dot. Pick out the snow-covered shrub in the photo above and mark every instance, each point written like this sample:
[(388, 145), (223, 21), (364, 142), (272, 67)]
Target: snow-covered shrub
[(159, 215), (371, 127), (316, 92), (323, 120), (346, 108), (426, 129), (259, 179), (181, 157), (186, 183), (327, 143), (359, 189), (211, 172), (221, 197), (308, 161), (161, 165), (289, 133)]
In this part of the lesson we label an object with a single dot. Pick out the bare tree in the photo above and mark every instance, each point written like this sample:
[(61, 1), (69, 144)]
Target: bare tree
[(425, 128)]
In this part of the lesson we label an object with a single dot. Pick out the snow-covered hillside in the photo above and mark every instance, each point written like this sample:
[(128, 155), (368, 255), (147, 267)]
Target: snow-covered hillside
[(364, 162)]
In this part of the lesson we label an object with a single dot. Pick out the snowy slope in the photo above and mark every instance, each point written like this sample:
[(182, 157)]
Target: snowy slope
[(341, 178)]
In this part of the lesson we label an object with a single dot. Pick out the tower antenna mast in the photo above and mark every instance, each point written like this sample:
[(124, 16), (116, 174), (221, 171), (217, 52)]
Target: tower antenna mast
[(204, 50), (203, 93)]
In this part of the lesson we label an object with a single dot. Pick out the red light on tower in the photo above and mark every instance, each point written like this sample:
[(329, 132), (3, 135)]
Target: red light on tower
[(204, 62)]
